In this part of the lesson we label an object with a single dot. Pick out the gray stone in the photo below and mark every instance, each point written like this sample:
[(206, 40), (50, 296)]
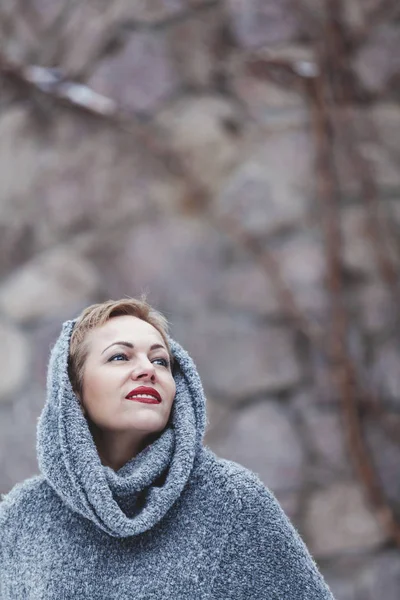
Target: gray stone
[(48, 10), (381, 578), (195, 44), (98, 177), (43, 339), (19, 154), (356, 13), (245, 286), (268, 194), (199, 130), (338, 519), (275, 107), (378, 60), (385, 375), (150, 11), (377, 307), (364, 577), (357, 251), (342, 589), (188, 270), (325, 440), (385, 117), (14, 359), (374, 143), (141, 76), (381, 163), (246, 359), (343, 574), (382, 436), (84, 33), (178, 262), (263, 438), (302, 262), (261, 22), (18, 422), (218, 415), (50, 285), (18, 38)]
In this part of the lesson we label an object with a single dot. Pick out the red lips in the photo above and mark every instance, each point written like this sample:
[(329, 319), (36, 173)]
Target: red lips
[(152, 396)]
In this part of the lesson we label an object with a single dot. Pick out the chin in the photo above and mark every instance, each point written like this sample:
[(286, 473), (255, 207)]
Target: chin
[(145, 424)]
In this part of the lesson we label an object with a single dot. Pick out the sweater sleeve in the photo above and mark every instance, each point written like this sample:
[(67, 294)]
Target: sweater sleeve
[(264, 557)]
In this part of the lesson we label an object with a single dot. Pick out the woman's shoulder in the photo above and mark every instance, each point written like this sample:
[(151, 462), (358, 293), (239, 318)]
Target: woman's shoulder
[(22, 499), (233, 478)]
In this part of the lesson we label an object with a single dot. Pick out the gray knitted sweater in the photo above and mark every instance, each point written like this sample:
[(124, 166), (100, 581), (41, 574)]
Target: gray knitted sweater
[(174, 522)]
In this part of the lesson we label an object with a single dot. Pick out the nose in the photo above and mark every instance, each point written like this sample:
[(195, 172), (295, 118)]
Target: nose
[(143, 370)]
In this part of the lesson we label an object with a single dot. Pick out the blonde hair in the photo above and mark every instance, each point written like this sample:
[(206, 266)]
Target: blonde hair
[(97, 315)]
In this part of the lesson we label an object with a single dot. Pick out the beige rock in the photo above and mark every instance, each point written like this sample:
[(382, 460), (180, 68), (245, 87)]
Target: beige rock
[(218, 417), (385, 369), (178, 261), (195, 44), (246, 286), (263, 438), (200, 130), (381, 577), (18, 420), (139, 77), (302, 262), (382, 440), (378, 310), (326, 442), (14, 359), (385, 118), (48, 10), (338, 519), (148, 11), (275, 107), (378, 60), (19, 155), (53, 283), (357, 251), (261, 22), (382, 163), (271, 190), (247, 358)]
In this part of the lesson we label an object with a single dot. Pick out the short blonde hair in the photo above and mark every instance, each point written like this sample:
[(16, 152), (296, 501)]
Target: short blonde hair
[(97, 315)]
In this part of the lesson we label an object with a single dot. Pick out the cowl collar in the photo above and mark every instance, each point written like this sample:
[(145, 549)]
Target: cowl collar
[(137, 496)]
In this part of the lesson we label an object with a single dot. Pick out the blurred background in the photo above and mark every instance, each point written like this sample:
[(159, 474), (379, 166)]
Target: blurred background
[(238, 161)]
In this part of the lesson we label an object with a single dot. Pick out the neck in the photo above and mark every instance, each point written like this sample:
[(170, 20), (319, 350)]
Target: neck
[(116, 448)]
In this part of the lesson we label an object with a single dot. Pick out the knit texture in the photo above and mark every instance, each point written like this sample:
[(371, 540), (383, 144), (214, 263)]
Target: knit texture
[(174, 522)]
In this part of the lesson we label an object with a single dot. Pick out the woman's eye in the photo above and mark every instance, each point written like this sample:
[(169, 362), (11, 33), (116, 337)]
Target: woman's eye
[(163, 361), (118, 357)]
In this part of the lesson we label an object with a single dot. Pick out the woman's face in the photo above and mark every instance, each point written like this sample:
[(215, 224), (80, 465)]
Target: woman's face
[(126, 354)]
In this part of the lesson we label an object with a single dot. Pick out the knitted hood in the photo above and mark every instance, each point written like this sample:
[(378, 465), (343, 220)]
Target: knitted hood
[(135, 498)]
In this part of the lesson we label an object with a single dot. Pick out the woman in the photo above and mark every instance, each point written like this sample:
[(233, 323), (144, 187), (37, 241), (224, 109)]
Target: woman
[(129, 504)]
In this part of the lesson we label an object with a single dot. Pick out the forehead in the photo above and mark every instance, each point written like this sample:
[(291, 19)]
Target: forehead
[(125, 328)]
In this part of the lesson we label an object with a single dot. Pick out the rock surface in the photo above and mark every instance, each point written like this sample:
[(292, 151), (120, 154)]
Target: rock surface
[(253, 438), (207, 170), (339, 520), (49, 286), (14, 359)]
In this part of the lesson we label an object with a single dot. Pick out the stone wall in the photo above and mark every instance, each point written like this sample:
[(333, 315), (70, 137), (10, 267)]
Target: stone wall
[(187, 168)]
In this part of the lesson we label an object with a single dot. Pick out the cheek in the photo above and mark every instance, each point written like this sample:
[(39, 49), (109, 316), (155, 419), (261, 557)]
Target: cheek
[(172, 390), (95, 387)]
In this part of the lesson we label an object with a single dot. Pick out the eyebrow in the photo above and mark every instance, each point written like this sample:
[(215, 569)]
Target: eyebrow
[(130, 345)]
